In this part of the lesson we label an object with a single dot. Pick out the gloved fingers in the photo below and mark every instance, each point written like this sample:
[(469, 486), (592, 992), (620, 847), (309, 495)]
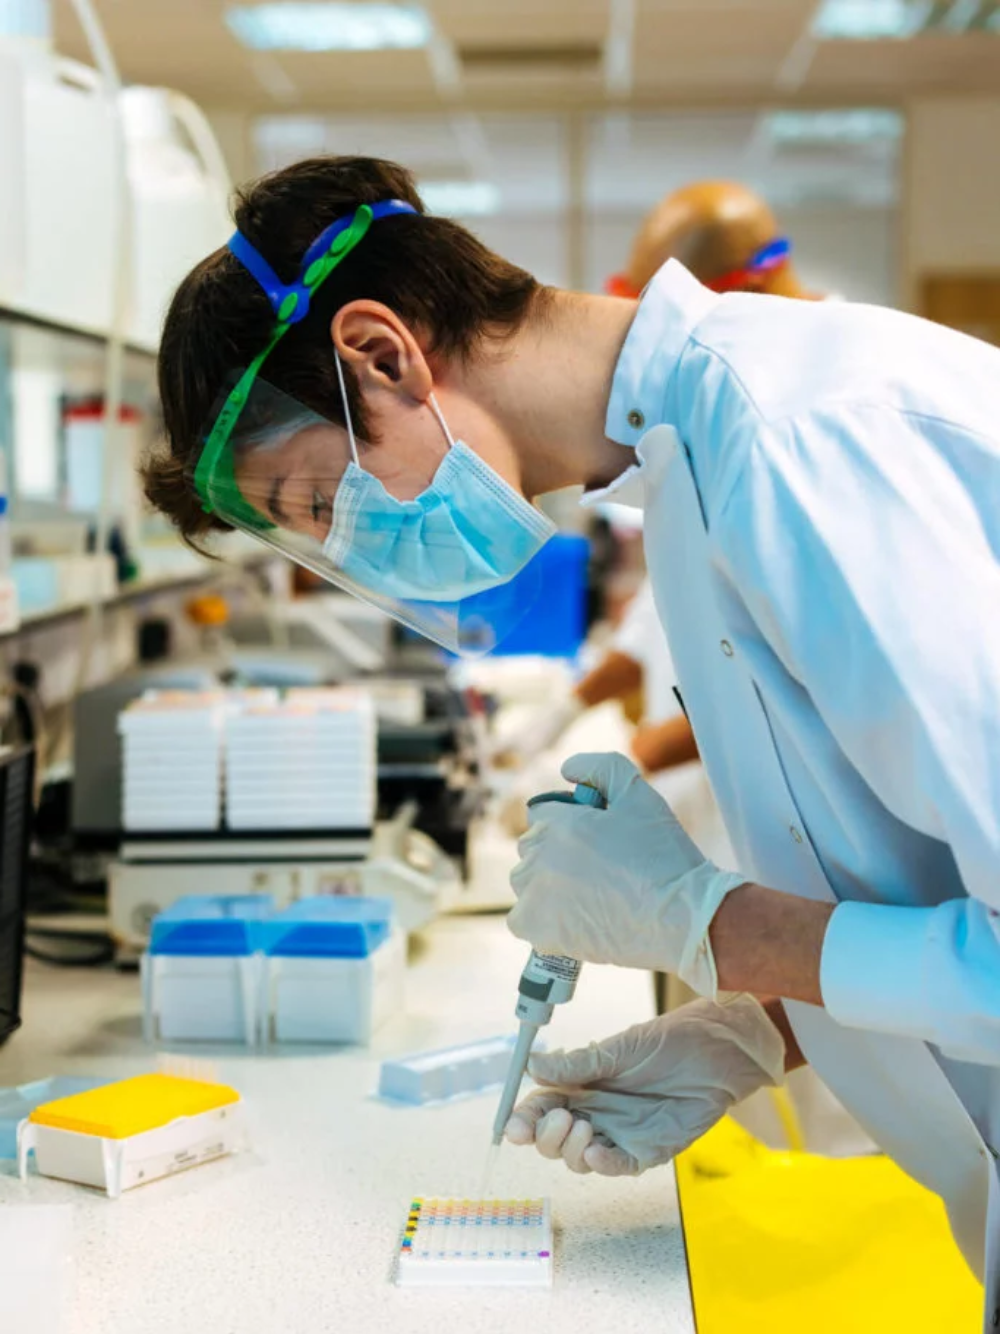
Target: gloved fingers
[(563, 815), (575, 1145), (570, 1069), (529, 922), (607, 1160), (531, 836), (552, 1131), (610, 772), (544, 936), (524, 1119), (521, 876), (515, 923), (617, 778)]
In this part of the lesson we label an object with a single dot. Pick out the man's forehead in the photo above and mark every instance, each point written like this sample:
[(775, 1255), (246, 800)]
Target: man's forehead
[(311, 438)]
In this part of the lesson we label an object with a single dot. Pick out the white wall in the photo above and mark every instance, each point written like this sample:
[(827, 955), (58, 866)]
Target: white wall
[(537, 243), (951, 186)]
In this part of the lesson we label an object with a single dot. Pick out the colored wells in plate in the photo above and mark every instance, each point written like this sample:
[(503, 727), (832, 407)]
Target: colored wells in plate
[(453, 1242)]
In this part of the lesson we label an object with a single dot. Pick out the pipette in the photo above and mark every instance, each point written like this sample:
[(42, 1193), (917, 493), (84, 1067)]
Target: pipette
[(548, 980)]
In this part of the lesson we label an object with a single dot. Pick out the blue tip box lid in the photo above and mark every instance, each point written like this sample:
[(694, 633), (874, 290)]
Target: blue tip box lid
[(207, 925), (329, 927)]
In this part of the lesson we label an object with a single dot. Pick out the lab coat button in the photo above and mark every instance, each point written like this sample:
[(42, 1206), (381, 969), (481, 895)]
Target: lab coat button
[(726, 647), (795, 833), (636, 419)]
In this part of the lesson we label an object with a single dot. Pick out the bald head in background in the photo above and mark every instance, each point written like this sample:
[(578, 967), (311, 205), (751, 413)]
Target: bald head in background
[(714, 228)]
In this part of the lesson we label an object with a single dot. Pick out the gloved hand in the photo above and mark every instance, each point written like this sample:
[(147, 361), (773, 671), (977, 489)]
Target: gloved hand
[(635, 1100), (624, 885), (541, 731)]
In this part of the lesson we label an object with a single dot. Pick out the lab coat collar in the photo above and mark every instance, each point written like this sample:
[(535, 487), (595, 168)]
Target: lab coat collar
[(672, 305)]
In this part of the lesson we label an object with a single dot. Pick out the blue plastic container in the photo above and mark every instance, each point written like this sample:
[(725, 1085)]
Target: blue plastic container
[(18, 1103), (555, 624), (225, 926), (328, 927)]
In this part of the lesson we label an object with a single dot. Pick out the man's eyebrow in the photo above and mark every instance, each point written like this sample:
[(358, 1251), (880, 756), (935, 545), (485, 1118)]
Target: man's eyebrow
[(274, 501)]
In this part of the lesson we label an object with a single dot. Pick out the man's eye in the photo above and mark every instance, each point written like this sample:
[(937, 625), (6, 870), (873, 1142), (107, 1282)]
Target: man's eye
[(320, 507)]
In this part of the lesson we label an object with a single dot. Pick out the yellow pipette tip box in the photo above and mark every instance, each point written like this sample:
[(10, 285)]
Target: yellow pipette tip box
[(128, 1133)]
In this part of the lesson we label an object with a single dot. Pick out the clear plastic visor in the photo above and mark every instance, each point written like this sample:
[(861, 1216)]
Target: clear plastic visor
[(277, 477)]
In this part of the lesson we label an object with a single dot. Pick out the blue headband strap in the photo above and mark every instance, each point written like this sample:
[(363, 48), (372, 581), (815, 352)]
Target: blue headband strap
[(279, 294), (770, 255)]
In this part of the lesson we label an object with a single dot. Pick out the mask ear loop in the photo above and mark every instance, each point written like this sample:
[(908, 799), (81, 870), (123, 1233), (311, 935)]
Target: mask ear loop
[(347, 410), (350, 425), (441, 421)]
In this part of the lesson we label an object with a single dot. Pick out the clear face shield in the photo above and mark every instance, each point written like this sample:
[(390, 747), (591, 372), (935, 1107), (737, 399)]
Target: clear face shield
[(454, 564)]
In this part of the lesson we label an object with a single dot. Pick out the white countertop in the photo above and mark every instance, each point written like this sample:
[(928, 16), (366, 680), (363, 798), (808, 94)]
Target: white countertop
[(300, 1236)]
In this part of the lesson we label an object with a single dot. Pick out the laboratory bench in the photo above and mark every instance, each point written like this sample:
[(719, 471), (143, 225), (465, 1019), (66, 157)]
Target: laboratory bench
[(300, 1234)]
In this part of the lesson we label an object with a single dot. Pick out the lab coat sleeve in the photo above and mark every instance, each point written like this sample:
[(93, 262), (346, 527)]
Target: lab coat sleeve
[(863, 542)]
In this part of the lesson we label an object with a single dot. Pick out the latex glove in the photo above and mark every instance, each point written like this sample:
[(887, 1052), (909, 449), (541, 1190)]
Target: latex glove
[(635, 1100), (538, 734), (624, 885)]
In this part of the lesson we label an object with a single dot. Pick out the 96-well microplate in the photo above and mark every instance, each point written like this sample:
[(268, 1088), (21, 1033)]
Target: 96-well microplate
[(477, 1243)]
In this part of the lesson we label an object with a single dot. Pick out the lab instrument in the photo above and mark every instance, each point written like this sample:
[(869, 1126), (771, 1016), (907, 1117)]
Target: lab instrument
[(17, 768), (548, 980), (476, 1243), (9, 615), (430, 793), (131, 1132), (305, 761)]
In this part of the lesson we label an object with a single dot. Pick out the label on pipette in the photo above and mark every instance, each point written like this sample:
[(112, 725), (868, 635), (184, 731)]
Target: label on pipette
[(567, 970)]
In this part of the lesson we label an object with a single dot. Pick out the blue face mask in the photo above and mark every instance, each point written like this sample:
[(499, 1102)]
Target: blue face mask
[(468, 532)]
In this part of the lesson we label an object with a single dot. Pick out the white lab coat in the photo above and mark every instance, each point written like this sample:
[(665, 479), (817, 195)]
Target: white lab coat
[(821, 489), (686, 787)]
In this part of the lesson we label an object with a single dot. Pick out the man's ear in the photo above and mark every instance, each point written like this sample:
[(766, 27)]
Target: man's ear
[(381, 351)]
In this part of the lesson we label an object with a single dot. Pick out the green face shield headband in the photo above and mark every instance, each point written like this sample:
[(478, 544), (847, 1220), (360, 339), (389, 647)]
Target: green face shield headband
[(214, 476)]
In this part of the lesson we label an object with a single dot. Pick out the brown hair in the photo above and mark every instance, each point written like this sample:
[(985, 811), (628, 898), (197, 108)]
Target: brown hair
[(442, 281)]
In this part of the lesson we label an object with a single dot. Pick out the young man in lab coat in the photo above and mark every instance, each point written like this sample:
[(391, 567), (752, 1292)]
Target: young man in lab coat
[(376, 393)]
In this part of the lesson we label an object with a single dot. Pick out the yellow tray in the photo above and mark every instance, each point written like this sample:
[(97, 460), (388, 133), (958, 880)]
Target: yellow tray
[(782, 1243)]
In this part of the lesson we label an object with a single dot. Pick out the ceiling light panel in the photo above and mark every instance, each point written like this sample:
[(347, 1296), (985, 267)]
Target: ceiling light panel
[(304, 25), (854, 125), (460, 199), (873, 20)]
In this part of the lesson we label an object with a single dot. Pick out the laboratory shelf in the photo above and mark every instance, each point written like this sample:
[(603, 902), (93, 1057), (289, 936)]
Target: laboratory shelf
[(26, 316), (151, 586)]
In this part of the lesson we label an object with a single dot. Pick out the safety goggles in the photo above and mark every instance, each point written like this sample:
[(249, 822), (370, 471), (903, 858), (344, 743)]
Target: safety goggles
[(768, 259)]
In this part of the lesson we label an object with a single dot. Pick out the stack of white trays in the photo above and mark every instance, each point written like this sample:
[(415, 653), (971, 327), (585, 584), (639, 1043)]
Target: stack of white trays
[(172, 760), (306, 762)]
